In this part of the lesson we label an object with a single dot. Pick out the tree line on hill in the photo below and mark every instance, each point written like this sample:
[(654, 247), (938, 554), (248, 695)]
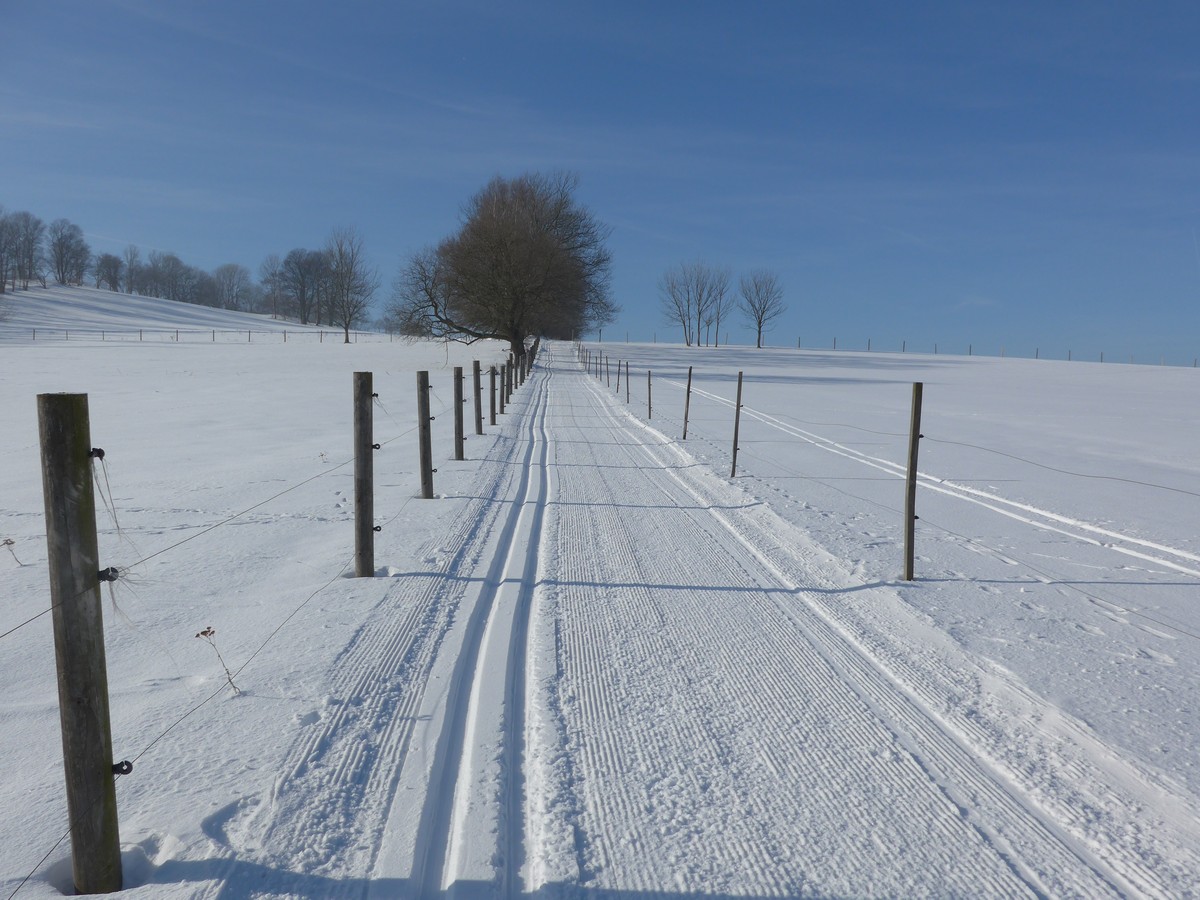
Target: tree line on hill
[(529, 260), (331, 286)]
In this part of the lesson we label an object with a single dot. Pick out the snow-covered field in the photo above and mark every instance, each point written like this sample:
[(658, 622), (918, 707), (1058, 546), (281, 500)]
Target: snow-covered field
[(595, 665)]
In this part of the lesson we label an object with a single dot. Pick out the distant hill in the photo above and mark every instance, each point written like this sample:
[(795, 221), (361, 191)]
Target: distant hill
[(85, 309)]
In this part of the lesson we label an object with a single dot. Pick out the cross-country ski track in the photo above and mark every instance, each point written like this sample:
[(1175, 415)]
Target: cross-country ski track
[(707, 704)]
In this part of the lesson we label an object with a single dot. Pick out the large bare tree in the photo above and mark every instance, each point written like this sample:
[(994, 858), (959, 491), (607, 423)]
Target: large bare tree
[(761, 299), (693, 295), (351, 281), (529, 260)]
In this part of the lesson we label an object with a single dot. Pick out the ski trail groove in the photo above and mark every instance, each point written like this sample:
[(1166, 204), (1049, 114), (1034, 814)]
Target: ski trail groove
[(475, 771), (1069, 816), (681, 767), (1025, 513)]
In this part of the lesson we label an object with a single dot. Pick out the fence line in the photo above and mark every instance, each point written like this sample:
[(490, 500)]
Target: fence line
[(897, 474), (118, 572), (225, 335)]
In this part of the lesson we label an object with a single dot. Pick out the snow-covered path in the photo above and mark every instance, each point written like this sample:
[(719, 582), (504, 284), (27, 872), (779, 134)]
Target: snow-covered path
[(631, 678), (598, 667)]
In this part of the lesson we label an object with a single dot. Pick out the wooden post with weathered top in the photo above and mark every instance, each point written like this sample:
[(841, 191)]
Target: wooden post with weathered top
[(458, 413), (425, 435), (492, 392), (737, 426), (478, 385), (687, 403), (910, 482), (364, 477), (79, 641)]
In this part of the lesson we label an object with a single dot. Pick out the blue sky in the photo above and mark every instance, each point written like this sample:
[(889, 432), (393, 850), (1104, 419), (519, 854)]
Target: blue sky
[(1016, 175)]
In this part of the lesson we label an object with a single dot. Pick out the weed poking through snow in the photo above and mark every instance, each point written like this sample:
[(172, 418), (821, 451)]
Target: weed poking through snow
[(208, 634)]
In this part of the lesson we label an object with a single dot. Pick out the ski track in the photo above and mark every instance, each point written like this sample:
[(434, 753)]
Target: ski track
[(471, 828), (704, 703), (1055, 825), (1025, 513), (339, 780)]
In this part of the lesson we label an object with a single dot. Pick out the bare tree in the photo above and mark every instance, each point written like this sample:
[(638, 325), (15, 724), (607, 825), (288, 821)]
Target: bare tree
[(69, 252), (677, 301), (300, 275), (7, 249), (165, 275), (28, 232), (270, 276), (761, 299), (718, 304), (693, 294), (108, 271), (420, 294), (323, 289), (133, 265), (232, 285), (528, 260), (352, 283)]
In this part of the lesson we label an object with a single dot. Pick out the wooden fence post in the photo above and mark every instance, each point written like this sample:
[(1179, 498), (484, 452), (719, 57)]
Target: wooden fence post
[(910, 491), (424, 435), (608, 370), (626, 382), (503, 382), (737, 424), (687, 403), (364, 478), (478, 385), (649, 397), (79, 641), (618, 377), (492, 395), (458, 413)]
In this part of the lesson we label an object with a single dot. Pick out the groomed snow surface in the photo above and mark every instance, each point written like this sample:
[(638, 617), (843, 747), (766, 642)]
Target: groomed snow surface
[(596, 665)]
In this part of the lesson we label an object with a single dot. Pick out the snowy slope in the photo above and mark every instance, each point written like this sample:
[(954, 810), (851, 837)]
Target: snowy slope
[(598, 666), (57, 310)]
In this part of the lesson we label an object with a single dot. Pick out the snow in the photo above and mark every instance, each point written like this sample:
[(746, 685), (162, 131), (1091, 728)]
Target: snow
[(595, 664)]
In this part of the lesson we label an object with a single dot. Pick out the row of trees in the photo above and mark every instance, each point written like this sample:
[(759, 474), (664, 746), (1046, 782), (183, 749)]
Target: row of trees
[(22, 259), (696, 297), (333, 285), (528, 260)]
